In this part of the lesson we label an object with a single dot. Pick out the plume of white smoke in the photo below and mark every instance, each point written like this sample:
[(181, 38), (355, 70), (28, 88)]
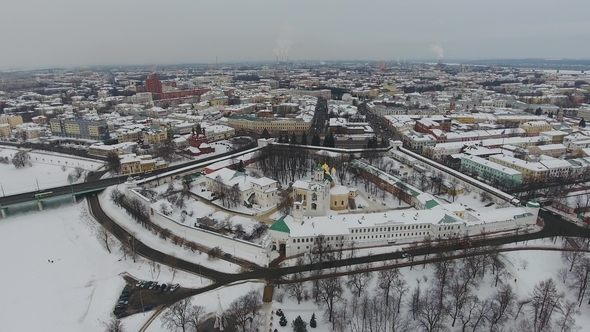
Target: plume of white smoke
[(284, 42), (283, 46), (438, 50)]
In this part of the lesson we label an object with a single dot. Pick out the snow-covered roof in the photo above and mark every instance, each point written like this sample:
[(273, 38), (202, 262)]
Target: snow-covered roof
[(263, 181)]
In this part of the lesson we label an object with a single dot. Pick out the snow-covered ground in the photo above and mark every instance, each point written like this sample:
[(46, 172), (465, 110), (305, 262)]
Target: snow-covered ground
[(46, 171), (78, 290), (155, 242), (209, 300), (526, 267)]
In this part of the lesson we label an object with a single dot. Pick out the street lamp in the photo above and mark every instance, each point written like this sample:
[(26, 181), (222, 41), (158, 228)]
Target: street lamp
[(200, 275), (141, 299)]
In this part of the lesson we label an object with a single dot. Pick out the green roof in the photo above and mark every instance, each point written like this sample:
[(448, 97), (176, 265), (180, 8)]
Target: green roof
[(447, 220), (431, 203), (280, 226), (328, 177)]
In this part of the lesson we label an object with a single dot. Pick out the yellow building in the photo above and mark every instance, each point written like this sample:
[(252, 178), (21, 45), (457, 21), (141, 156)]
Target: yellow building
[(463, 118), (338, 194), (5, 130), (131, 164), (531, 171), (273, 125), (12, 120), (219, 101), (80, 128), (155, 134), (536, 126)]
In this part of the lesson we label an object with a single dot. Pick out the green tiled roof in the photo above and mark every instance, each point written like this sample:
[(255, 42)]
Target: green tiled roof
[(280, 226), (447, 220), (431, 203)]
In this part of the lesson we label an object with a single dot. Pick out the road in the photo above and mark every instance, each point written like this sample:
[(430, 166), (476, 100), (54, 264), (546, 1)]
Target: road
[(554, 226), (378, 123), (147, 252), (101, 184)]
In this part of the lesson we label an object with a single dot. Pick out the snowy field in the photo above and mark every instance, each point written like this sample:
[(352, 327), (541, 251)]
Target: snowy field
[(155, 242), (525, 269), (46, 171), (209, 300), (78, 290)]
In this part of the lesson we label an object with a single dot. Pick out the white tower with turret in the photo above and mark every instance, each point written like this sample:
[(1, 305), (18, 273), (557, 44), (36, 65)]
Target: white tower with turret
[(298, 212)]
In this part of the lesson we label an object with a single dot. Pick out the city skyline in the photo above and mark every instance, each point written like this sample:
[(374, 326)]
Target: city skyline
[(69, 34)]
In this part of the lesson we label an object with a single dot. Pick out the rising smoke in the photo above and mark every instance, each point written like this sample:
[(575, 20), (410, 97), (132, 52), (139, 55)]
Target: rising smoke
[(438, 50), (284, 42)]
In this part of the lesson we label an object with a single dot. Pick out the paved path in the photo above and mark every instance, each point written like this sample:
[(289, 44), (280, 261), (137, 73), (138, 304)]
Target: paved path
[(154, 316)]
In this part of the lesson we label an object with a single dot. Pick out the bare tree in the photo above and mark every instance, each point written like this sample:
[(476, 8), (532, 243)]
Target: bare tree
[(330, 292), (177, 317), (114, 325), (321, 251), (500, 307), (357, 280), (21, 159), (297, 288), (579, 277), (544, 301), (195, 316), (113, 163), (385, 280), (472, 315), (567, 321), (431, 317), (245, 311), (106, 238), (444, 272), (415, 303), (460, 294)]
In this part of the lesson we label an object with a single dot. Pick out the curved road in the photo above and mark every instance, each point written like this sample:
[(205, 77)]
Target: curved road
[(553, 227)]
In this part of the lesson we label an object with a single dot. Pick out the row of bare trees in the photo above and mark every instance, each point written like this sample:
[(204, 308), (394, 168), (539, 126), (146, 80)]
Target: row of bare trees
[(449, 299), (244, 314)]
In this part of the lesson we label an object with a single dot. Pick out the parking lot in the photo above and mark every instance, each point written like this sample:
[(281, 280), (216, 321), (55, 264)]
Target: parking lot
[(138, 298)]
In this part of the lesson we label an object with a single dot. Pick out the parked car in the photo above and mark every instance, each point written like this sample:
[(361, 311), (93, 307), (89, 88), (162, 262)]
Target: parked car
[(169, 287), (162, 288), (140, 283), (124, 302), (124, 297), (174, 288), (154, 285), (148, 307), (148, 284)]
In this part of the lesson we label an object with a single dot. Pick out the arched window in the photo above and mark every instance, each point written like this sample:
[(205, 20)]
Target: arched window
[(314, 197), (314, 206)]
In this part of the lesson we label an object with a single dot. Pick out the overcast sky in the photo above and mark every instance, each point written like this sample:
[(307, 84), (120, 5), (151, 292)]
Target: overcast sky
[(44, 33)]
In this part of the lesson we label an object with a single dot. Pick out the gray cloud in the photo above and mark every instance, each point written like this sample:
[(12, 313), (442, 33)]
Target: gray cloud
[(40, 33)]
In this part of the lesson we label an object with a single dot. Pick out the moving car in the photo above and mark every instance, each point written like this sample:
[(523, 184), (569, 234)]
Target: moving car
[(174, 288)]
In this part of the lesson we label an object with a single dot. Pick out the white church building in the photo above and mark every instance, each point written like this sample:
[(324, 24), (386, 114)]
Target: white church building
[(295, 234), (254, 191)]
